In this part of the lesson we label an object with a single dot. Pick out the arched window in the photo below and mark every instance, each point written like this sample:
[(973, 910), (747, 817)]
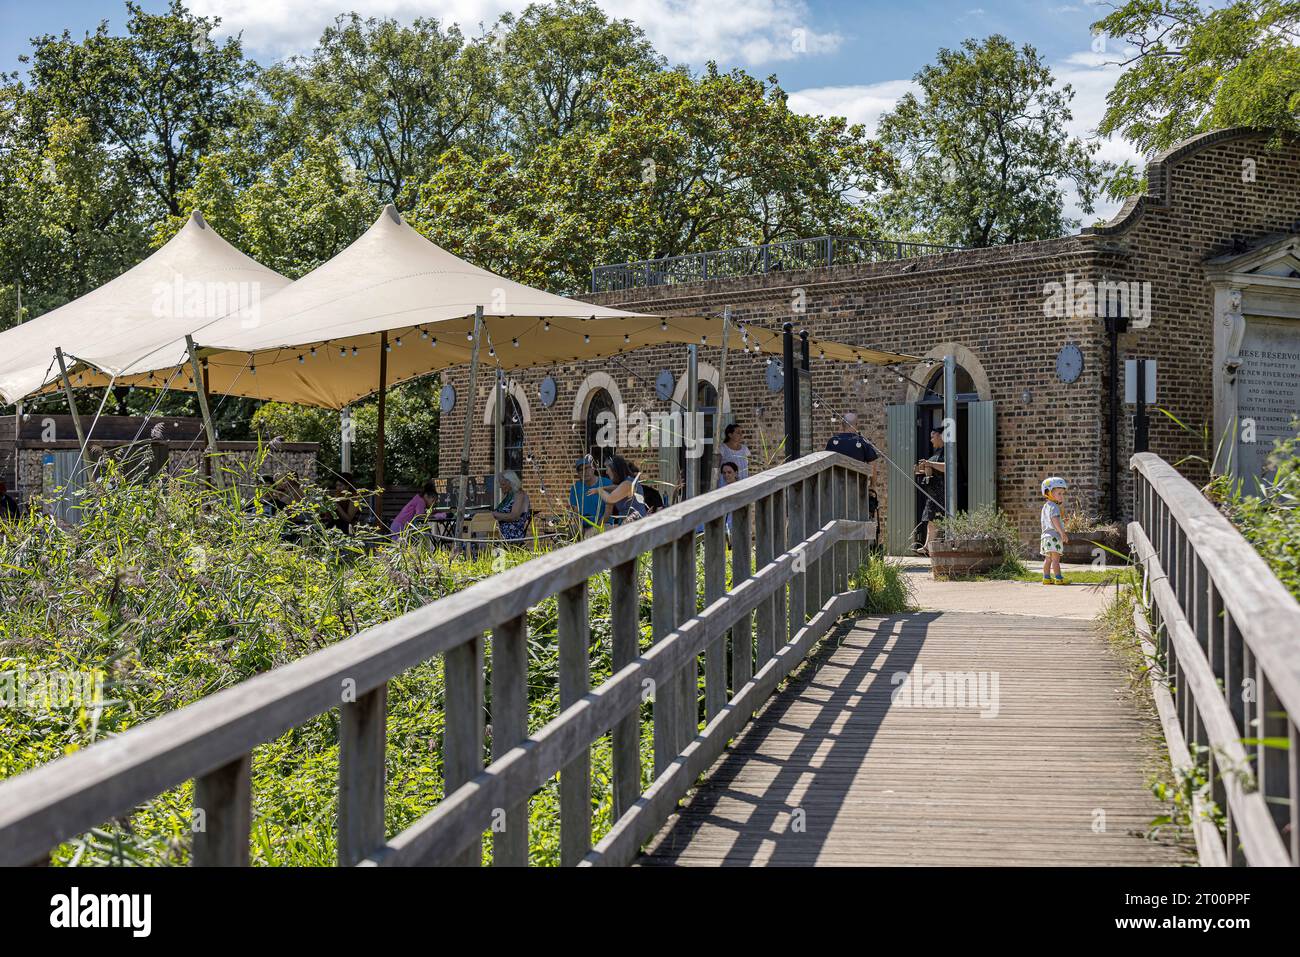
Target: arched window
[(513, 436), (599, 419), (965, 385)]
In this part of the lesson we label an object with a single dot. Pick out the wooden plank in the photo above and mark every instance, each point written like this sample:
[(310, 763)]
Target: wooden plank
[(363, 741), (509, 729), (574, 630), (827, 512), (812, 521), (625, 626), (715, 584), (223, 815), (780, 623), (689, 679), (663, 619), (462, 740), (839, 492), (764, 623), (859, 768), (794, 497), (742, 641)]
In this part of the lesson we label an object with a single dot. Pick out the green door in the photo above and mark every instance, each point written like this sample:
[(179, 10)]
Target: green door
[(982, 453), (900, 516)]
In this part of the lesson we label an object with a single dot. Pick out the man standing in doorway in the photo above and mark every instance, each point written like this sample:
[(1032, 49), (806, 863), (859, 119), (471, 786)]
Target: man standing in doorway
[(931, 474)]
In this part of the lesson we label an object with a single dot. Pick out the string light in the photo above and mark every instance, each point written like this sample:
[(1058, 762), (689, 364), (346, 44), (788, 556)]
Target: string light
[(354, 350), (433, 341), (515, 343), (663, 325), (342, 351), (313, 351), (300, 360), (424, 333), (546, 326), (586, 338), (399, 340)]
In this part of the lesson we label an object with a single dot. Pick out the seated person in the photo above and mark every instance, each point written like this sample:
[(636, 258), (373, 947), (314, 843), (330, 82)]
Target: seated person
[(622, 498), (728, 475), (419, 504), (514, 512), (588, 509), (346, 509), (9, 510)]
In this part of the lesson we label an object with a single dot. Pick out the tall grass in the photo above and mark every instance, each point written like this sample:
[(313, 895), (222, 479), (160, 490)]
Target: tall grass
[(175, 589)]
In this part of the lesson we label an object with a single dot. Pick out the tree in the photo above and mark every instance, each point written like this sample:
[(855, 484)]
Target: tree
[(1191, 67), (158, 96), (550, 61), (681, 164), (395, 97), (981, 155)]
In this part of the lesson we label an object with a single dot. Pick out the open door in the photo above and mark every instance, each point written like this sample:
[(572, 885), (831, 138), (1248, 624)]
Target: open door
[(900, 515), (982, 454)]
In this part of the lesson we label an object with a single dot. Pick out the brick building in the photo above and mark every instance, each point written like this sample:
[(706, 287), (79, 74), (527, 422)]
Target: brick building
[(1202, 265)]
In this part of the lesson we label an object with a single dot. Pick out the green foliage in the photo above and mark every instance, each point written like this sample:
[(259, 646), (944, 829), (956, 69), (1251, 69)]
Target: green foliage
[(173, 590), (987, 524), (1192, 66), (411, 433), (981, 155), (889, 590), (1270, 520)]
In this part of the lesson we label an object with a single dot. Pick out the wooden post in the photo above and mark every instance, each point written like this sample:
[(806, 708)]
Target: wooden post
[(499, 431), (199, 372), (469, 423), (509, 728), (764, 623), (72, 403), (663, 607), (811, 523), (462, 741), (826, 512), (625, 627), (362, 743), (379, 435), (779, 623), (693, 435), (574, 630), (794, 498), (689, 675), (715, 578), (223, 800), (742, 641)]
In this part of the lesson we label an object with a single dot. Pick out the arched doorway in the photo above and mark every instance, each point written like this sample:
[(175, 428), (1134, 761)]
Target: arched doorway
[(513, 436), (598, 427), (706, 397)]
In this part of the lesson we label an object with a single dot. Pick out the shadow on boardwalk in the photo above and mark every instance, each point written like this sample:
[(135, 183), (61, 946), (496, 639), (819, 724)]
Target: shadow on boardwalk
[(1049, 766)]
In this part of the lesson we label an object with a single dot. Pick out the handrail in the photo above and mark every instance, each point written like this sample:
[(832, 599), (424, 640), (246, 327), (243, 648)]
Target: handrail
[(812, 504), (1227, 636), (767, 257)]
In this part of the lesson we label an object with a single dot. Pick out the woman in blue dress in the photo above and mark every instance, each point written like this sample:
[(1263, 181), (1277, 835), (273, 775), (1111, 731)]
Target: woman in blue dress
[(622, 497)]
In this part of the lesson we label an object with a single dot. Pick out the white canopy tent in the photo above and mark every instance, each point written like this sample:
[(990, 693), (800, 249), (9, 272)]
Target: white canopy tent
[(148, 310)]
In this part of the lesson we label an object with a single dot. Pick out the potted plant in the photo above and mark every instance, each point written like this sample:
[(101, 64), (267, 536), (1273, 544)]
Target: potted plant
[(1090, 536), (972, 543)]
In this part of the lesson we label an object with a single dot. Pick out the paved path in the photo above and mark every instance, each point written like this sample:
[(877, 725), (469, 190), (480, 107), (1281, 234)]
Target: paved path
[(1082, 601), (832, 772)]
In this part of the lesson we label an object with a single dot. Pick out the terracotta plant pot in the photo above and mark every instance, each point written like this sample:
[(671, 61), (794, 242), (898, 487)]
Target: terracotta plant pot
[(962, 559), (1080, 549)]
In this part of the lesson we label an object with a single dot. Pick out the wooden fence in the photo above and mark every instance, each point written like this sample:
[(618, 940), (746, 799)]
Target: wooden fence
[(1224, 637), (797, 533)]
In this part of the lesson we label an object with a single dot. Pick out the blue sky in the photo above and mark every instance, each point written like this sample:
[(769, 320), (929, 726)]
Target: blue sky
[(837, 57)]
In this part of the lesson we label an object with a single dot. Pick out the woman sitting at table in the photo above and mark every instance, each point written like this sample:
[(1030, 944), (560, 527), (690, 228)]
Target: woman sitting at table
[(515, 511), (417, 506), (622, 497)]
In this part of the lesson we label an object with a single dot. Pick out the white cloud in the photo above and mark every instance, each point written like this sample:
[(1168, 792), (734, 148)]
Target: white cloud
[(1089, 73), (754, 33)]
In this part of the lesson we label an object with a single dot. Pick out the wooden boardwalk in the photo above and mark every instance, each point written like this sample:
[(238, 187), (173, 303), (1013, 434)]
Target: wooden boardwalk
[(832, 771)]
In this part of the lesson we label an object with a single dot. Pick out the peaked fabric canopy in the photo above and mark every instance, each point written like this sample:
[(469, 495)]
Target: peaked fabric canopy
[(317, 342), (148, 310)]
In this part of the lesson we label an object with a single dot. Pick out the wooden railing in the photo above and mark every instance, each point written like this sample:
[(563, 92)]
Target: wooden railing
[(1224, 636), (797, 533)]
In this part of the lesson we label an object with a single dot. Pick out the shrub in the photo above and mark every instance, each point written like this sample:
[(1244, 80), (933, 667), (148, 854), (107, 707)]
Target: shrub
[(889, 590), (991, 525)]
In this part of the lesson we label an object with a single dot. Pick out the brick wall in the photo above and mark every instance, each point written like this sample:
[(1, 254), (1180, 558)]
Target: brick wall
[(989, 301)]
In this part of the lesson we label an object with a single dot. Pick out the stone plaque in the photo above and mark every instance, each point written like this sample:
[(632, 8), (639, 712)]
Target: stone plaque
[(1268, 390)]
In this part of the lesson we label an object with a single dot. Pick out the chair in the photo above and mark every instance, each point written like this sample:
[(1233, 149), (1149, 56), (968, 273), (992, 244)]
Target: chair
[(483, 529)]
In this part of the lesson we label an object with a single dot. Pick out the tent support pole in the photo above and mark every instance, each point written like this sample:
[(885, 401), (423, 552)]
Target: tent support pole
[(691, 483), (469, 422), (715, 473), (950, 435), (72, 402), (201, 390), (379, 437), (345, 440), (499, 430)]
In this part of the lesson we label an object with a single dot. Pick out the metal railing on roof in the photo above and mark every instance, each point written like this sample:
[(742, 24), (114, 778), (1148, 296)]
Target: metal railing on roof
[(819, 251)]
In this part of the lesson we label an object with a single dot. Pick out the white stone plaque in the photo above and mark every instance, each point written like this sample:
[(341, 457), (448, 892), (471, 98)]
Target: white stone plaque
[(1268, 390)]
